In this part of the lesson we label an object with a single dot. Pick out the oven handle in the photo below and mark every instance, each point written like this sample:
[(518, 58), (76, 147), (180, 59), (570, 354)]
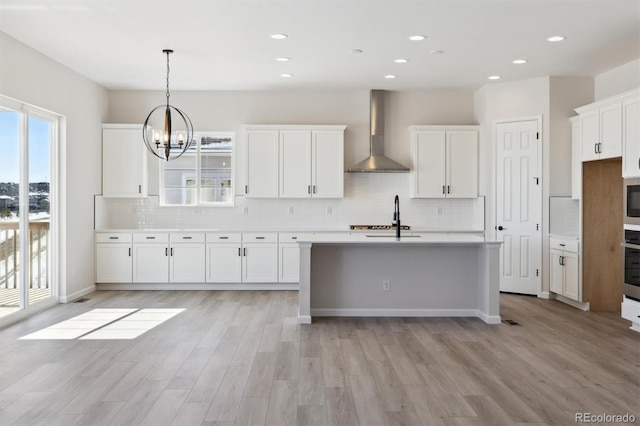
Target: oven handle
[(631, 246)]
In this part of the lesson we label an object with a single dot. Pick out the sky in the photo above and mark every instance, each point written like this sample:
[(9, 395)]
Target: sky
[(39, 148)]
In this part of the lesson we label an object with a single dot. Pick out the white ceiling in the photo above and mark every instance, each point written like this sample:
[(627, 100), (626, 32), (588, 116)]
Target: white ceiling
[(225, 45)]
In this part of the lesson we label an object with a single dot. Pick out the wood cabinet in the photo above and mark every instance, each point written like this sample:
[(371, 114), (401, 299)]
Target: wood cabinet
[(124, 161), (601, 130), (564, 277), (576, 159), (444, 161), (113, 258), (294, 161), (631, 137)]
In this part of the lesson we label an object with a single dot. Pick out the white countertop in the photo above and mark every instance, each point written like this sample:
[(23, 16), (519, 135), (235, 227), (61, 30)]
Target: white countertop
[(289, 230), (390, 239)]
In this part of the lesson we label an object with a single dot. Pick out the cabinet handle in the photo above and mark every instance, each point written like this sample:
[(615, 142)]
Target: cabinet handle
[(294, 238), (129, 251), (595, 148), (223, 238), (239, 254), (244, 251), (448, 189), (314, 189), (561, 245), (309, 189), (171, 251), (187, 238), (114, 238), (443, 189), (639, 162), (166, 250), (139, 189), (150, 238), (246, 189), (259, 238)]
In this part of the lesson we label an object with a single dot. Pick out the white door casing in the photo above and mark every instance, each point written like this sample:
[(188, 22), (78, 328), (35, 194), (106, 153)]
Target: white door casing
[(519, 204)]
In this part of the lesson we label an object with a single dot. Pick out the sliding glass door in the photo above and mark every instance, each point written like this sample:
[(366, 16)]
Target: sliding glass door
[(27, 143)]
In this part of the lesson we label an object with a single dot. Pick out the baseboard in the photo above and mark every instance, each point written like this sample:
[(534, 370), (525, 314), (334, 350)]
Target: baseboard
[(77, 294), (489, 319), (545, 295), (394, 312), (584, 306), (304, 319), (198, 286)]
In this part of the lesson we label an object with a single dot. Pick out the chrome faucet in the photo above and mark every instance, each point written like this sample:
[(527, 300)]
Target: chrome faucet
[(396, 215)]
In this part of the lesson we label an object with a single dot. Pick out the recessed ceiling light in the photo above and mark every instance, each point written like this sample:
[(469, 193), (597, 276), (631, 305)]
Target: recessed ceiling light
[(417, 37), (437, 52), (286, 75), (389, 76), (279, 36), (519, 61), (494, 77), (283, 59), (401, 61), (355, 51), (556, 38)]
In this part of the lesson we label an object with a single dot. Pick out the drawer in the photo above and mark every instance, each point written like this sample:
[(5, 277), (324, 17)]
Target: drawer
[(259, 237), (113, 237), (186, 237), (292, 237), (566, 245), (150, 237), (631, 310), (224, 238)]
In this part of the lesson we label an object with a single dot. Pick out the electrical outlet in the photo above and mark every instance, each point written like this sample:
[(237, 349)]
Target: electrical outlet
[(439, 210), (329, 211), (290, 209), (386, 285), (245, 210)]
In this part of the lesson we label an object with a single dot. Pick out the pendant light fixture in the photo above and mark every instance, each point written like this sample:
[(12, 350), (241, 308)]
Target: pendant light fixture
[(172, 141)]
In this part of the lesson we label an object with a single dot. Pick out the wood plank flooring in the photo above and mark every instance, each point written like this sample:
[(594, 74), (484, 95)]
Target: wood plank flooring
[(241, 358)]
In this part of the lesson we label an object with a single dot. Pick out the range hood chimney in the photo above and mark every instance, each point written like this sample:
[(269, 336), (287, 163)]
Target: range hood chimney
[(377, 162)]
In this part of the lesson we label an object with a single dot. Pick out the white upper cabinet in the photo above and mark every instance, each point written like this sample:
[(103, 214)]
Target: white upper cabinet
[(124, 161), (601, 129), (261, 167), (444, 161), (288, 161), (631, 137)]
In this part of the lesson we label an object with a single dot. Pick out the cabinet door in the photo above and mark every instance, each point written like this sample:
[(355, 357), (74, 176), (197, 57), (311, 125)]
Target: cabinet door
[(150, 263), (576, 161), (631, 139), (462, 164), (187, 263), (224, 263), (260, 263), (328, 164), (261, 166), (611, 131), (113, 263), (571, 277), (295, 163), (428, 164), (590, 135), (557, 272), (124, 163), (289, 270)]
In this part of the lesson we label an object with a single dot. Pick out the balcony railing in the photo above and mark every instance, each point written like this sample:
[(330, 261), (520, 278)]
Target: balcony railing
[(38, 255)]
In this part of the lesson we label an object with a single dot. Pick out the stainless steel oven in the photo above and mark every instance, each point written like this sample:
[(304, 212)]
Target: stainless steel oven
[(631, 287), (632, 201)]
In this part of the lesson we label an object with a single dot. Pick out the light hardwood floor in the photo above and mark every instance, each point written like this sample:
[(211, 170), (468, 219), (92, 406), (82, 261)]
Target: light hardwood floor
[(241, 358)]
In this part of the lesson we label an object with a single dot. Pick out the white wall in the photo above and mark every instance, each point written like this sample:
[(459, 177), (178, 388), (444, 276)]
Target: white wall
[(33, 78), (617, 80)]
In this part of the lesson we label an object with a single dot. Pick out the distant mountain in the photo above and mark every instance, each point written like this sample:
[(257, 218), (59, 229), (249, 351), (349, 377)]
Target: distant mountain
[(12, 189)]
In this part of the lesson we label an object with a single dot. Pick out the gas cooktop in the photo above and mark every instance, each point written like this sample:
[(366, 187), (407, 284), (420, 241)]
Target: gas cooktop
[(377, 227)]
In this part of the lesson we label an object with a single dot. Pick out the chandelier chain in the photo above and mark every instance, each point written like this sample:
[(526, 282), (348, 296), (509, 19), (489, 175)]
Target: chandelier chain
[(168, 78)]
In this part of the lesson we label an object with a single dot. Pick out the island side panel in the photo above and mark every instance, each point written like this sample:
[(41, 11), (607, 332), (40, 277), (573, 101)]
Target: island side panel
[(304, 292), (425, 280), (489, 284)]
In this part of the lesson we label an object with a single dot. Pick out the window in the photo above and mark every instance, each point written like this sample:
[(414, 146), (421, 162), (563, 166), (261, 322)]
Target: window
[(201, 176)]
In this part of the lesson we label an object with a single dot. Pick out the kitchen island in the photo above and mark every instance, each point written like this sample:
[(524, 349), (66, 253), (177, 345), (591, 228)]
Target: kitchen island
[(414, 276)]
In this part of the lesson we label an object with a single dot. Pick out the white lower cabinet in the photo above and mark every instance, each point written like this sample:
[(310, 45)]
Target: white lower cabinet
[(113, 258), (259, 258), (187, 257), (150, 258), (289, 257), (565, 278), (224, 258)]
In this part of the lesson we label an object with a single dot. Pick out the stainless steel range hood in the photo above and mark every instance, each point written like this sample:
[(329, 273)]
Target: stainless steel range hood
[(377, 162)]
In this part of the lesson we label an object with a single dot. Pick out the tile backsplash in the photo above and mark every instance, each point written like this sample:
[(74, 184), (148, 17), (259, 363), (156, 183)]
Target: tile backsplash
[(368, 199)]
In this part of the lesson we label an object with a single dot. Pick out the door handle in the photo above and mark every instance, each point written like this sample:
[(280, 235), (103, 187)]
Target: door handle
[(500, 228)]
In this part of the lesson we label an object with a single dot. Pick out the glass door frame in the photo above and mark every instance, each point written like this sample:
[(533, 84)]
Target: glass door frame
[(25, 112)]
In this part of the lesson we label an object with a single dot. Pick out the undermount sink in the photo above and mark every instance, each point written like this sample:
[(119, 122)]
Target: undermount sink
[(393, 236)]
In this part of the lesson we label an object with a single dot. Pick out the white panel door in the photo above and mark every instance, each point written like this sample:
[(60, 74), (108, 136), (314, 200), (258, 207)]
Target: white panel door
[(462, 164), (295, 163), (259, 263), (113, 263), (571, 279), (611, 131), (328, 164), (631, 139), (224, 263), (590, 135), (428, 168), (518, 205), (556, 279), (261, 153), (151, 263), (187, 263)]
